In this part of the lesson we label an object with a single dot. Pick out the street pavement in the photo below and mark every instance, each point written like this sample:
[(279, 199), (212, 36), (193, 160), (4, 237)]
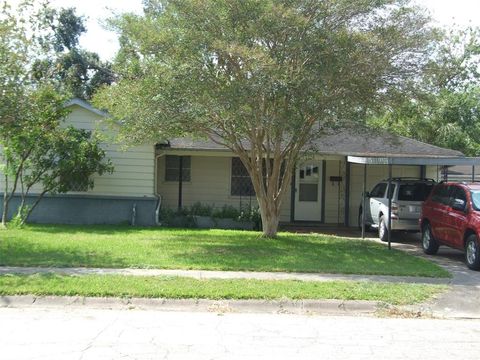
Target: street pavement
[(84, 334)]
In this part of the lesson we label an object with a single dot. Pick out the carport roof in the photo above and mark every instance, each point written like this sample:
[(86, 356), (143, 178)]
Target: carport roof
[(361, 143), (375, 160)]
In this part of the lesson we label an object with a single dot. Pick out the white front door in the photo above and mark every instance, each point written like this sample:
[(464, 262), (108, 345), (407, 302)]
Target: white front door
[(308, 184)]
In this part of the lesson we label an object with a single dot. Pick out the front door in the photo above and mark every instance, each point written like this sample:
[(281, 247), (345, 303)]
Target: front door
[(308, 195)]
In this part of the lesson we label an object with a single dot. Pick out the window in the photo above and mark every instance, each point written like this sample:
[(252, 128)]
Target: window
[(440, 194), (379, 191), (79, 185), (172, 168), (458, 194), (475, 194), (414, 192), (76, 182), (241, 182), (391, 191)]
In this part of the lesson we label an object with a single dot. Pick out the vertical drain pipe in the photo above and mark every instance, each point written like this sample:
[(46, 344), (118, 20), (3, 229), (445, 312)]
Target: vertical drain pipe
[(134, 214)]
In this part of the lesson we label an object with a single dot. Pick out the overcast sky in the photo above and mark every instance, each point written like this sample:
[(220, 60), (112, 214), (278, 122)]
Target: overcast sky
[(445, 12)]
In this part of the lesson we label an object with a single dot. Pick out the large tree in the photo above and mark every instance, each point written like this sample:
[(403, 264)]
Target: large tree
[(445, 109), (262, 77), (75, 70), (35, 148)]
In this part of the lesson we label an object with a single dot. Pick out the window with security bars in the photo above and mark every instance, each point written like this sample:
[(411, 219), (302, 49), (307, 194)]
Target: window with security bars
[(76, 182), (172, 168), (241, 182), (79, 185)]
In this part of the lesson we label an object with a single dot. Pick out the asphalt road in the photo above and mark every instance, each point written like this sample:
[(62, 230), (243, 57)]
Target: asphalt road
[(78, 333)]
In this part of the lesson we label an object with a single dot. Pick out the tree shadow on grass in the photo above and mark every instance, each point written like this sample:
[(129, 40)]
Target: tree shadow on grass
[(294, 254), (26, 254)]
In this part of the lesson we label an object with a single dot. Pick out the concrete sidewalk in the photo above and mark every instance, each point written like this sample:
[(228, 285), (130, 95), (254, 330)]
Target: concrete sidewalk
[(461, 301), (206, 274)]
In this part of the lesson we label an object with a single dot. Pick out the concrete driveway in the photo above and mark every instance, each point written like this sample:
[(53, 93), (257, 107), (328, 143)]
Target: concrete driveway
[(463, 300)]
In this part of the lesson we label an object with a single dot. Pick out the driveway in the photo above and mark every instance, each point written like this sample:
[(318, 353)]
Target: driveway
[(463, 300)]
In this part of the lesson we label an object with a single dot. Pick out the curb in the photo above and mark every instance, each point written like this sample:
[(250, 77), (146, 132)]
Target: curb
[(299, 307)]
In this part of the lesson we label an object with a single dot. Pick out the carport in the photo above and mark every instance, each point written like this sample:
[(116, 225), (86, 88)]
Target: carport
[(391, 161)]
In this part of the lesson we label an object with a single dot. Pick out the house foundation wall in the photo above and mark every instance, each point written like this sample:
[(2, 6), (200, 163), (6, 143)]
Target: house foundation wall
[(89, 210)]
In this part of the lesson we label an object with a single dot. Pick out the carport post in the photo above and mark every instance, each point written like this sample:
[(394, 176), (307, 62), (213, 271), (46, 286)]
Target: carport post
[(363, 198), (390, 193), (473, 173)]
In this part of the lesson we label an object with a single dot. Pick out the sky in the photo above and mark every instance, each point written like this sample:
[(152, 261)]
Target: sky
[(444, 12)]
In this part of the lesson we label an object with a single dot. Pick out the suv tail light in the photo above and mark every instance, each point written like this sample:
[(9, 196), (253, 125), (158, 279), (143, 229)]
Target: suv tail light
[(394, 208)]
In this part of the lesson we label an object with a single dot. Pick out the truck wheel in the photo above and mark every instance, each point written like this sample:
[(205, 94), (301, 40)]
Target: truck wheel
[(472, 253), (429, 244), (382, 229)]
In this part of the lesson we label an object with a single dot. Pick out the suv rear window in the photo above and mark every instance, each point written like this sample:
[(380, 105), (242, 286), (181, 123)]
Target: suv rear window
[(414, 192)]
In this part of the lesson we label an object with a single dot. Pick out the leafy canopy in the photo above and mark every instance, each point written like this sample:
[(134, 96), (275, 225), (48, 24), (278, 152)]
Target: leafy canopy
[(264, 78)]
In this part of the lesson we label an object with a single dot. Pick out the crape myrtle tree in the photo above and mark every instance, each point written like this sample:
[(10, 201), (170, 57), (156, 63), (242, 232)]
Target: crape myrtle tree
[(38, 153), (262, 77)]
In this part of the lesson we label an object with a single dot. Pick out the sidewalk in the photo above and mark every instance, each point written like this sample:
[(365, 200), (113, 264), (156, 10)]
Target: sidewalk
[(461, 301), (206, 274)]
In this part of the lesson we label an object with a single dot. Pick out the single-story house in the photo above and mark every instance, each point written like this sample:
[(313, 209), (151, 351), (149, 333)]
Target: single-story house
[(326, 188)]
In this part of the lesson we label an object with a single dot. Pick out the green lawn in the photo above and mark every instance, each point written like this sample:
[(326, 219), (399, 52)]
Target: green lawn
[(187, 288), (122, 247)]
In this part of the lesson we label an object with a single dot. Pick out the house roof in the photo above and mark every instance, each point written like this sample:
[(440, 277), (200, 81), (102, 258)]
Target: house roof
[(364, 142), (346, 142), (85, 105)]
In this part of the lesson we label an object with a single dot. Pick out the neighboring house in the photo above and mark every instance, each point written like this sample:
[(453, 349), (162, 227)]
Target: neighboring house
[(326, 188)]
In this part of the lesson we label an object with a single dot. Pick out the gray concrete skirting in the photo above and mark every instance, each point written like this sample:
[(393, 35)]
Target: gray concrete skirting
[(89, 209)]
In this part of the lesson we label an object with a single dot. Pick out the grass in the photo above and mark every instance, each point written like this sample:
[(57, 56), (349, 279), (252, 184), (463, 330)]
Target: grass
[(123, 247), (187, 288)]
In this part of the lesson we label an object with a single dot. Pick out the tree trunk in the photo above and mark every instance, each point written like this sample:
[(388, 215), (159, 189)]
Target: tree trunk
[(5, 203), (269, 211), (269, 225)]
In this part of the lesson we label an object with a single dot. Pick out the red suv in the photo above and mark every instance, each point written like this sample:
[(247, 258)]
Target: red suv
[(451, 216)]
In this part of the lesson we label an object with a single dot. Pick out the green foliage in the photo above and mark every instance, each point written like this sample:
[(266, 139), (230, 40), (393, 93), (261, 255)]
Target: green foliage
[(263, 78), (200, 209), (176, 218), (226, 212), (445, 110), (215, 289), (74, 70), (36, 148)]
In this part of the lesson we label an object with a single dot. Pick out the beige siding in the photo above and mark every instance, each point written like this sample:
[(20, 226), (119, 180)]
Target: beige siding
[(209, 185), (432, 173), (134, 167), (375, 173), (133, 174)]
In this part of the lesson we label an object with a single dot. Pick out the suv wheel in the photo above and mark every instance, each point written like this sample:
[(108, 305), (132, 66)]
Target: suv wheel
[(472, 253), (382, 229), (429, 244)]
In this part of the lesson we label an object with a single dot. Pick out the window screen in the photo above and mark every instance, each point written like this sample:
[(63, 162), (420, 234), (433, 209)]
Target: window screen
[(172, 168)]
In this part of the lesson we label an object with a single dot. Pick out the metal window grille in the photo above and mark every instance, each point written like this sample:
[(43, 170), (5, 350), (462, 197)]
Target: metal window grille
[(241, 182)]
